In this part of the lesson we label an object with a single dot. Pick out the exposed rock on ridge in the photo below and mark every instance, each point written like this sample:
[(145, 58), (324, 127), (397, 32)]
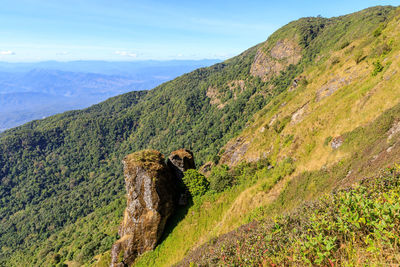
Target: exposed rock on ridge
[(152, 189), (180, 161), (269, 63)]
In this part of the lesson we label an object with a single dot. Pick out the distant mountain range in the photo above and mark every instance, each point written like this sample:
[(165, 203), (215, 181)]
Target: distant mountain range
[(31, 91)]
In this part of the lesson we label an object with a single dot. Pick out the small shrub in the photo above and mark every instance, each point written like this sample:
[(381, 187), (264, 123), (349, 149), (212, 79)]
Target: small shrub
[(288, 139), (279, 125), (220, 178), (384, 49), (327, 140), (195, 182), (378, 67), (378, 31), (286, 167), (303, 82)]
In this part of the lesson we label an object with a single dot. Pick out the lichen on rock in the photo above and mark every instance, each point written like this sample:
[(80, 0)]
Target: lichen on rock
[(268, 63), (337, 142), (151, 193), (234, 151)]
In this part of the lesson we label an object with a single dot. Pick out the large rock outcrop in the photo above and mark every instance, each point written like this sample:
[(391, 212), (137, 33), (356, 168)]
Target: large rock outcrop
[(270, 62), (180, 161), (153, 190)]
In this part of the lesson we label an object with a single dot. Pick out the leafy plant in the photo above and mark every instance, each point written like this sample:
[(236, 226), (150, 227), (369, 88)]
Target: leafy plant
[(279, 125), (378, 67), (195, 182), (378, 31), (220, 178), (327, 140)]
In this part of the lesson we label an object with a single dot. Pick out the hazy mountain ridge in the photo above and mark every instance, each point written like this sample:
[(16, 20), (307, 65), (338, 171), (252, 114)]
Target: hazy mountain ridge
[(56, 87)]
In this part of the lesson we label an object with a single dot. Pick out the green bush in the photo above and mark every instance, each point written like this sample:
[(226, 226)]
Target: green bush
[(220, 178), (195, 182), (328, 140), (286, 167), (344, 44), (279, 125), (378, 67), (378, 31)]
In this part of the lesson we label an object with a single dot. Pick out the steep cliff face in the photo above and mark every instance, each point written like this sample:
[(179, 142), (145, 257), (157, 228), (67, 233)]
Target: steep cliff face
[(180, 161), (151, 191), (153, 188)]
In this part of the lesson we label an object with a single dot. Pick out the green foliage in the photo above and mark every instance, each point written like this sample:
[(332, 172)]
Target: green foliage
[(288, 139), (378, 67), (378, 31), (284, 168), (279, 125), (327, 140), (195, 182), (79, 242), (358, 225), (344, 44), (220, 178), (309, 28)]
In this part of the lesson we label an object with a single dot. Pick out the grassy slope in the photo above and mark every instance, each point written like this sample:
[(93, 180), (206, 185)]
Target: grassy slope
[(359, 97), (352, 112), (353, 227), (255, 196), (361, 101)]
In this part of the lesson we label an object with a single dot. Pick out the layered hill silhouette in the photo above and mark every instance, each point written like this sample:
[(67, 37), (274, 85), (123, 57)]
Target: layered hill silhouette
[(312, 109), (30, 91)]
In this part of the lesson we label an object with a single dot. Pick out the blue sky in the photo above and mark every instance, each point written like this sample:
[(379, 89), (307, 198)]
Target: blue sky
[(38, 30)]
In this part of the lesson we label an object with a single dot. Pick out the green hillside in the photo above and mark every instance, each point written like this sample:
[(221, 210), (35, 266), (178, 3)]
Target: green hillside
[(269, 117), (353, 227)]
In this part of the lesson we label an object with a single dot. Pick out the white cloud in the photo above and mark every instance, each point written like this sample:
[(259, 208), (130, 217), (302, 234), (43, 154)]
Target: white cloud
[(125, 54), (63, 53), (7, 53)]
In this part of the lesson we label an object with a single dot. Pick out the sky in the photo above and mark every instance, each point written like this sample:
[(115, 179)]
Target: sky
[(127, 30)]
